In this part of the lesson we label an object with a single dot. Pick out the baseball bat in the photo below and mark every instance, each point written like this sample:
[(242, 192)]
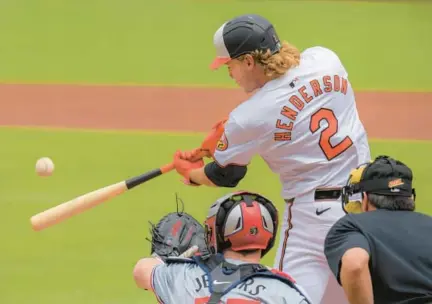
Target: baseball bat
[(89, 200)]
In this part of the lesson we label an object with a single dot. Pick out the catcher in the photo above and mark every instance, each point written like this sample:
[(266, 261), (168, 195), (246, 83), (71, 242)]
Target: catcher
[(239, 230)]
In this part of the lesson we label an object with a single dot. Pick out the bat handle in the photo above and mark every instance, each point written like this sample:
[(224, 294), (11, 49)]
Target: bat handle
[(138, 180)]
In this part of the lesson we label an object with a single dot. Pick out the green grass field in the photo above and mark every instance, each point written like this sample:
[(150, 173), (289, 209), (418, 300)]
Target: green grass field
[(170, 41), (89, 259)]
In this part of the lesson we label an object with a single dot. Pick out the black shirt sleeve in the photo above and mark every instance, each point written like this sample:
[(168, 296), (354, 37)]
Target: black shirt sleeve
[(342, 236)]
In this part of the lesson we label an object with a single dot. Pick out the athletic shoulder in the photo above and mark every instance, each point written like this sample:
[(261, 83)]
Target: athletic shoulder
[(179, 267), (275, 289), (175, 279), (247, 116), (319, 50), (348, 221), (282, 274), (325, 56)]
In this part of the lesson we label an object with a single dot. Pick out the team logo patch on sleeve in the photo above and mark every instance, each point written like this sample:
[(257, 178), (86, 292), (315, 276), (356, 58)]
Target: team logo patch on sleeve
[(222, 143)]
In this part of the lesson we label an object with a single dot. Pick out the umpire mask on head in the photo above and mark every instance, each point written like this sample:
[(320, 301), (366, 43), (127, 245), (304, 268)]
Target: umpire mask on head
[(383, 176)]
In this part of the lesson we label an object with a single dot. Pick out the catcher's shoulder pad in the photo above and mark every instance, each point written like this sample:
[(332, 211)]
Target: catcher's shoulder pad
[(176, 260), (282, 274), (216, 267), (284, 278)]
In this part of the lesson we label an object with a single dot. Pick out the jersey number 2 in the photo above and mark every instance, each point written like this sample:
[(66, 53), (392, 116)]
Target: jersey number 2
[(204, 300), (329, 150)]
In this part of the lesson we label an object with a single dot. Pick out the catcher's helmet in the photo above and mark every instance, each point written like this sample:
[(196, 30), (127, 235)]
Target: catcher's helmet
[(384, 176), (241, 221)]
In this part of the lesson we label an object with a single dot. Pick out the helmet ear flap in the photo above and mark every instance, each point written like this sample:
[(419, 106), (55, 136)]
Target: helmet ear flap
[(275, 218), (220, 218), (220, 221), (273, 212)]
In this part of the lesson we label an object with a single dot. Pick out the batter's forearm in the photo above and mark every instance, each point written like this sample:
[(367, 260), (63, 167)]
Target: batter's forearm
[(198, 176)]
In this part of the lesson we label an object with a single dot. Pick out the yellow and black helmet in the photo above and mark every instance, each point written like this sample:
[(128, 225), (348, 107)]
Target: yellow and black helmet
[(383, 176)]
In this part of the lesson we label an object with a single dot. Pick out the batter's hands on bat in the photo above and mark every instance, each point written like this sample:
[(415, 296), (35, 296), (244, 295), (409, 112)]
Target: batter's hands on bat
[(184, 166), (208, 145), (195, 154)]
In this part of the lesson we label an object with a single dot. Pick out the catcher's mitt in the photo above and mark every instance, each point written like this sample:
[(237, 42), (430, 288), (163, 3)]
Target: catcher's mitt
[(175, 233)]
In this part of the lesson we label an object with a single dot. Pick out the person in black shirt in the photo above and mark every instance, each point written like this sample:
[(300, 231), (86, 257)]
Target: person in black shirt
[(381, 250)]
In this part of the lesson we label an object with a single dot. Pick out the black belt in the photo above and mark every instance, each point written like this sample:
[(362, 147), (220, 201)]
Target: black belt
[(328, 194)]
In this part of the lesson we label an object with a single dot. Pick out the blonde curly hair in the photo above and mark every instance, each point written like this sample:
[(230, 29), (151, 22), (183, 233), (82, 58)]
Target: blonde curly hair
[(277, 64)]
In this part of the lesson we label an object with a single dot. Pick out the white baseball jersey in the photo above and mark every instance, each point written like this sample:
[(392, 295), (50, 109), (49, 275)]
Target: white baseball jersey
[(304, 125), (188, 284)]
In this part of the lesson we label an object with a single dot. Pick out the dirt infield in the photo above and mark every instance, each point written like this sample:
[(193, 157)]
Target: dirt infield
[(385, 115)]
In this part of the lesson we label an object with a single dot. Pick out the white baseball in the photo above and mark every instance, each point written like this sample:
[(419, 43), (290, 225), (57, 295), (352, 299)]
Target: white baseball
[(44, 166)]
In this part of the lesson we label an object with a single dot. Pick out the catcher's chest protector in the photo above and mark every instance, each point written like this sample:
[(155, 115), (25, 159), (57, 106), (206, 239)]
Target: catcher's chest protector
[(224, 276)]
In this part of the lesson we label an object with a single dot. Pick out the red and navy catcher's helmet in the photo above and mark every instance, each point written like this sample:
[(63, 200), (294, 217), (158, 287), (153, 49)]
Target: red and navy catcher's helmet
[(241, 221)]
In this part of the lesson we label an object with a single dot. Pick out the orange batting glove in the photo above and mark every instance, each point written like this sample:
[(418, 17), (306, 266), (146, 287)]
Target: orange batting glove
[(183, 167), (194, 154), (208, 145)]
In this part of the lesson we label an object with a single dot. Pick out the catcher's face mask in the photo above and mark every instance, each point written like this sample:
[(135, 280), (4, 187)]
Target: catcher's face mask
[(383, 176), (241, 221)]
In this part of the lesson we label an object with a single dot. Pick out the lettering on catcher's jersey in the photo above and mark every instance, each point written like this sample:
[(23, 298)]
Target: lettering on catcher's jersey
[(186, 283), (249, 286)]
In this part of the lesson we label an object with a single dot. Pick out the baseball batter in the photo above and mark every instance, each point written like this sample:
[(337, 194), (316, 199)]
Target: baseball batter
[(302, 120), (230, 273)]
